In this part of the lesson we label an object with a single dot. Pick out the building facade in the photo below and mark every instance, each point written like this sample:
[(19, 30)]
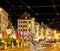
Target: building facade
[(26, 23), (37, 29), (3, 20)]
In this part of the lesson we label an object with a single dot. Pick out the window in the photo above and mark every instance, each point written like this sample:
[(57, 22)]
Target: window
[(24, 25), (29, 29), (21, 25), (21, 29), (23, 21), (29, 21), (19, 21), (26, 21), (25, 30)]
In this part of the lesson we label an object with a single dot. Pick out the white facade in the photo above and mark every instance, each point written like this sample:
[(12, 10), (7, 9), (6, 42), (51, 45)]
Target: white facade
[(26, 23), (3, 19)]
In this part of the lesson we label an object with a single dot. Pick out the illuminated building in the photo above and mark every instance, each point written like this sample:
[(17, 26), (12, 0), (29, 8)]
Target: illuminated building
[(3, 19), (26, 23), (37, 29)]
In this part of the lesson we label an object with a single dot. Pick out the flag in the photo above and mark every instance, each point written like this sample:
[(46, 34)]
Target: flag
[(26, 37), (17, 34), (2, 34), (13, 30)]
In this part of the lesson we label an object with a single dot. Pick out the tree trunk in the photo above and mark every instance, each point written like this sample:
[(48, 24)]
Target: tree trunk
[(6, 46), (12, 45), (18, 45)]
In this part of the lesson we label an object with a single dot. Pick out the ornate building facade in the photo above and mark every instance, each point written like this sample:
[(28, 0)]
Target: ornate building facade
[(3, 20), (26, 23)]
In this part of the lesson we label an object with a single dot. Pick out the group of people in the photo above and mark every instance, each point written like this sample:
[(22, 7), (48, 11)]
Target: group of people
[(34, 44)]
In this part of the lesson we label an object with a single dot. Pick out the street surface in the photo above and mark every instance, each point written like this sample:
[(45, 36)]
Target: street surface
[(45, 47)]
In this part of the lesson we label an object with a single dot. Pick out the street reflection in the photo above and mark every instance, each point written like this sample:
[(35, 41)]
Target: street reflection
[(44, 47), (50, 47)]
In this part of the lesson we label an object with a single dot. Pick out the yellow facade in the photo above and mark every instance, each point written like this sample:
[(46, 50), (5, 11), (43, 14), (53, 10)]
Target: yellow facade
[(3, 20), (26, 23)]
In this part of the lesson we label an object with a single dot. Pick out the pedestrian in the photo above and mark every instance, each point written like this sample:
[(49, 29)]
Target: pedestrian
[(33, 44)]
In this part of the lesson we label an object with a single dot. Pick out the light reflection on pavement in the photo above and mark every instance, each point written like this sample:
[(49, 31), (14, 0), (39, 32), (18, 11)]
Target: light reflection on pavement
[(53, 47), (49, 47)]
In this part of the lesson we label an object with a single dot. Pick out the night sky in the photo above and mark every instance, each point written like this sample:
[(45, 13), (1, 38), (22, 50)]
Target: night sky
[(46, 11)]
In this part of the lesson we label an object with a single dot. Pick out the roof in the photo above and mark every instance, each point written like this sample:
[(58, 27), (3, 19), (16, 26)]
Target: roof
[(25, 15)]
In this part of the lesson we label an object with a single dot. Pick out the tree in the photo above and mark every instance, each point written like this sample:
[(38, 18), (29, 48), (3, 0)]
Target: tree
[(7, 40), (19, 41)]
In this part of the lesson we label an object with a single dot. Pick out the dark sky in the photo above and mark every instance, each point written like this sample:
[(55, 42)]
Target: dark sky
[(46, 11)]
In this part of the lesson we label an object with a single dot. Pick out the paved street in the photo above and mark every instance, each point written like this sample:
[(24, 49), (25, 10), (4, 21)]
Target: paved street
[(48, 47)]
